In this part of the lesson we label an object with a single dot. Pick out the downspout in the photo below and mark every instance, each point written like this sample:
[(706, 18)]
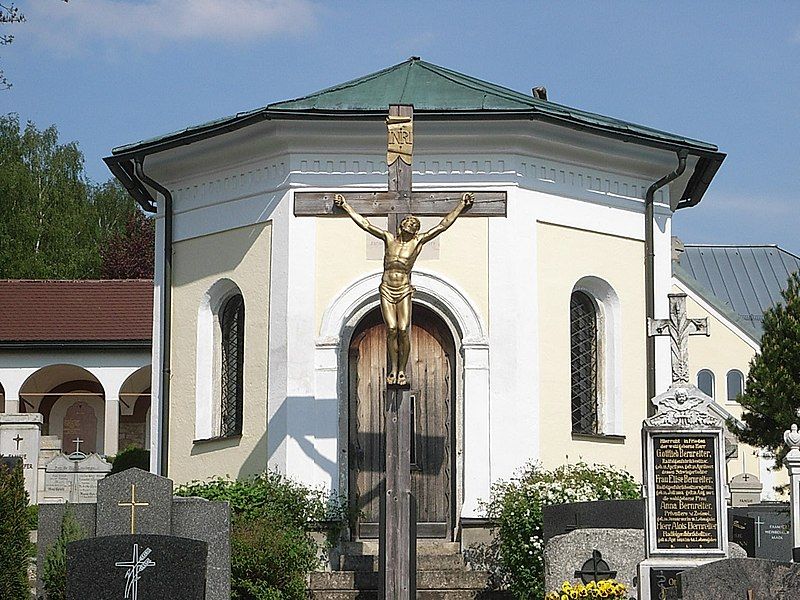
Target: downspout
[(649, 271), (166, 310)]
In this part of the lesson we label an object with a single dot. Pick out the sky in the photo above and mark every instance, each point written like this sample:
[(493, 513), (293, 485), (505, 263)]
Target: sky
[(111, 72)]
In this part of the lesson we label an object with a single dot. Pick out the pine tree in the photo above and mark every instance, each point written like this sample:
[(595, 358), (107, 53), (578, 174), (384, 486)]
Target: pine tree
[(15, 545), (772, 398), (54, 575)]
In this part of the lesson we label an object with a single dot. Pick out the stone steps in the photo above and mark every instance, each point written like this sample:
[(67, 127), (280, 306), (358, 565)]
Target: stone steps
[(426, 580), (421, 595), (425, 562)]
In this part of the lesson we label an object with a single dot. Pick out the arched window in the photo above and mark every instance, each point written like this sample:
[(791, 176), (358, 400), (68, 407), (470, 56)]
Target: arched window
[(735, 385), (705, 381), (583, 365), (231, 321)]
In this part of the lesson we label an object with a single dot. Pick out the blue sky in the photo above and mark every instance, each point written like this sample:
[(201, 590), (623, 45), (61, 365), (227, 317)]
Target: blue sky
[(109, 72)]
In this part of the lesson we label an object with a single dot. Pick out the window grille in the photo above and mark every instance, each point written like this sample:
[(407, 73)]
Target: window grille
[(583, 343), (232, 366)]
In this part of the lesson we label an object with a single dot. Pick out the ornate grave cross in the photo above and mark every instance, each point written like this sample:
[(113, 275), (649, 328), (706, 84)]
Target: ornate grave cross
[(402, 243), (18, 439), (678, 327), (133, 504), (595, 569)]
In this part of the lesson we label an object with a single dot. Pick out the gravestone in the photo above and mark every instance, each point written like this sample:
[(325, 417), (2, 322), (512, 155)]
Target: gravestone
[(772, 524), (75, 479), (80, 423), (683, 448), (140, 502), (745, 578), (742, 531), (136, 567), (19, 436), (558, 519), (745, 490), (49, 448)]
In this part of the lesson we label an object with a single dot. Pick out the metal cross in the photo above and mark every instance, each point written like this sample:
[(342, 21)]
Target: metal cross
[(678, 327), (77, 441), (18, 439), (595, 569), (135, 566), (759, 523), (133, 504)]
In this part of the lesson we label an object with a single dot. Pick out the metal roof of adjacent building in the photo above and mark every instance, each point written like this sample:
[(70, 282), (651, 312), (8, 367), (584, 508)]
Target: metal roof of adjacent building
[(431, 89), (40, 311), (740, 281)]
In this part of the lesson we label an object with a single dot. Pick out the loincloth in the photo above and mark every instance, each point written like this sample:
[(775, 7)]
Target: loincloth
[(395, 293)]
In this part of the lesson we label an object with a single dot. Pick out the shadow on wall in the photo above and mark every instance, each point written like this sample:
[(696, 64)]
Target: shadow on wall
[(309, 423)]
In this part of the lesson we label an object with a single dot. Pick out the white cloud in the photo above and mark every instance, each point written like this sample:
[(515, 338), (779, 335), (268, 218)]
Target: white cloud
[(157, 21)]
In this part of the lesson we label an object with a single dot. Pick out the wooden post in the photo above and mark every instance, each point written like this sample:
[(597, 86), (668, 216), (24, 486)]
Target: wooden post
[(398, 517)]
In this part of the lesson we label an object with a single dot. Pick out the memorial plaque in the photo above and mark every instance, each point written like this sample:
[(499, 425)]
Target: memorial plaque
[(664, 584), (136, 567), (80, 422), (685, 491)]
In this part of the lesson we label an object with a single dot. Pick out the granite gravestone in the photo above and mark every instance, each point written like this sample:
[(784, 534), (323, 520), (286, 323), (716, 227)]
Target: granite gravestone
[(558, 519), (742, 531), (773, 526), (140, 502), (73, 478), (19, 436), (136, 567), (745, 578), (683, 446)]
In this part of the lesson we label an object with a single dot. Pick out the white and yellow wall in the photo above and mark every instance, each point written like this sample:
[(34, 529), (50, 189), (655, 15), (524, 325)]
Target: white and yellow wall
[(575, 221)]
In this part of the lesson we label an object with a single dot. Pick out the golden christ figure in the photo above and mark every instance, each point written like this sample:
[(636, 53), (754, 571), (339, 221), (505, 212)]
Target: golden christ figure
[(400, 252)]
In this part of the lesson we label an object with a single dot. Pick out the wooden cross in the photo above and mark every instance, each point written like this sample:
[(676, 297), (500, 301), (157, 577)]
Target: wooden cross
[(77, 441), (18, 439), (133, 504), (400, 200), (678, 327)]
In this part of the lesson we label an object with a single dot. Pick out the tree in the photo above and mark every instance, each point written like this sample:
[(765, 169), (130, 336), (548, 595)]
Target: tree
[(772, 397), (15, 548), (53, 221), (8, 14), (54, 575), (129, 254)]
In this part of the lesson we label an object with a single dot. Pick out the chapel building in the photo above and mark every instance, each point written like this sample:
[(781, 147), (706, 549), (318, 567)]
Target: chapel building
[(529, 337)]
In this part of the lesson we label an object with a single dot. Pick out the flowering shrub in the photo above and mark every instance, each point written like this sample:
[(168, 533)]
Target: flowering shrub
[(516, 508), (607, 588)]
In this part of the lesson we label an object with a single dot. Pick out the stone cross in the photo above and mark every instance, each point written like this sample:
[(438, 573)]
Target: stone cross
[(133, 504), (18, 439), (679, 327), (595, 569), (78, 441)]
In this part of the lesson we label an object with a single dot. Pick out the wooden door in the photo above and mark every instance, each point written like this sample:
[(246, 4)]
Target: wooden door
[(431, 372)]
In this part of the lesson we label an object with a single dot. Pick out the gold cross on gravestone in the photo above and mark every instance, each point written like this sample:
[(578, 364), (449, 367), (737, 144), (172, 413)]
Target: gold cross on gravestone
[(133, 504), (678, 327)]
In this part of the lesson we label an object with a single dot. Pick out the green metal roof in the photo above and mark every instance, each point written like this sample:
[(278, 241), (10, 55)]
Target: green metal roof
[(431, 89), (739, 281)]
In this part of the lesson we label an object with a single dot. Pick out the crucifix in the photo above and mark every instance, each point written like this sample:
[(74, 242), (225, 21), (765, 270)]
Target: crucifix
[(402, 245), (18, 439), (678, 327), (133, 504)]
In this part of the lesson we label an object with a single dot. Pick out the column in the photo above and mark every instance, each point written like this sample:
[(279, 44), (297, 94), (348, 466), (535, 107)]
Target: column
[(12, 404), (792, 462), (111, 430)]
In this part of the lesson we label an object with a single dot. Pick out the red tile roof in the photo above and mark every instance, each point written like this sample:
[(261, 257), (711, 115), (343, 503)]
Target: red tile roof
[(70, 311)]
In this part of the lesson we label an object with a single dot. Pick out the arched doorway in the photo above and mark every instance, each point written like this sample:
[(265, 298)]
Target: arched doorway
[(134, 403), (431, 367)]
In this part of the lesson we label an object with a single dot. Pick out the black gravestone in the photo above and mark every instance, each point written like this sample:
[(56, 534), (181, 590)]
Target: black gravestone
[(743, 578), (742, 531), (664, 584), (773, 525), (685, 491), (559, 519), (136, 567)]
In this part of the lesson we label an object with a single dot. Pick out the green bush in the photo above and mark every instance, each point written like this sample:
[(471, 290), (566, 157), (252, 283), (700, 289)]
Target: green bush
[(131, 457), (272, 550), (15, 546), (516, 508), (33, 517), (54, 574)]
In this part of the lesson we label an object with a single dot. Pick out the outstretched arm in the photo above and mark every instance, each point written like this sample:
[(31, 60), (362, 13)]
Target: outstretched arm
[(360, 220), (466, 201)]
